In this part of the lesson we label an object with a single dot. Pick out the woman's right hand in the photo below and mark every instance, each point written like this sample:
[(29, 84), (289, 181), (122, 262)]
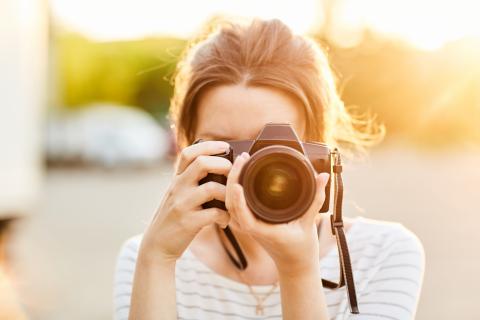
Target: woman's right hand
[(180, 215)]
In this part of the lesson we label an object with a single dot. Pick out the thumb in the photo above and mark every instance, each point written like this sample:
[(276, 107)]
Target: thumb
[(322, 180)]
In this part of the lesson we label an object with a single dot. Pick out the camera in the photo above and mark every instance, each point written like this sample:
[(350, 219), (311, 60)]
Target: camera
[(279, 186), (279, 178)]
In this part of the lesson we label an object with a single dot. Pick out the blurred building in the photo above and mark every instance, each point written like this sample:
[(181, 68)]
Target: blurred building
[(23, 64)]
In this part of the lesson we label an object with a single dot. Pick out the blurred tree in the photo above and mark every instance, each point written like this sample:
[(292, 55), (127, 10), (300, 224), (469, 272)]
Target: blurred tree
[(134, 73), (431, 97)]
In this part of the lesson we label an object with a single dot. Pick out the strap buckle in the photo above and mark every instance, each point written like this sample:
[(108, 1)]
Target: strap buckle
[(335, 224)]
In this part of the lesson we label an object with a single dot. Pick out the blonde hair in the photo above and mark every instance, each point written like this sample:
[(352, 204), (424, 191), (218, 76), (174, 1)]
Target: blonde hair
[(267, 53)]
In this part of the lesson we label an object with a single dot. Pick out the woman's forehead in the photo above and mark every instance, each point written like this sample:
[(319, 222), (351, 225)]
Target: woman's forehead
[(237, 112)]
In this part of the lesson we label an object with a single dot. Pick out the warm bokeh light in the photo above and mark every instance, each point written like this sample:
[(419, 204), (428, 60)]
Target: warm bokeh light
[(427, 24), (125, 52), (113, 19)]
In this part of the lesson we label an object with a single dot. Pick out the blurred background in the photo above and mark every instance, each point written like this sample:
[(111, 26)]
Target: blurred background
[(86, 150)]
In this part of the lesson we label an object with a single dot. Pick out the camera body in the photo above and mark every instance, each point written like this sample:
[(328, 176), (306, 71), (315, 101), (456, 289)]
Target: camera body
[(279, 178)]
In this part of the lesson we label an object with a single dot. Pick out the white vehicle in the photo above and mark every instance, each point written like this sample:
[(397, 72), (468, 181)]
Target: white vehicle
[(107, 135)]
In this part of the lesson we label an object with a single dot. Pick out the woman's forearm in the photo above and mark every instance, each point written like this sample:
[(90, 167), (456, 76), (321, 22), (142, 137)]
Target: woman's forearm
[(153, 293), (302, 294)]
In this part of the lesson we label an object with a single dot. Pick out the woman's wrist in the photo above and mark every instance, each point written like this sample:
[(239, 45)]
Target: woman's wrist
[(299, 259), (298, 268), (149, 300), (302, 293), (150, 256), (306, 263)]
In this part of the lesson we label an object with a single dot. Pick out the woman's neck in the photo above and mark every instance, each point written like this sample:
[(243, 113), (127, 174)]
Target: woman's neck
[(261, 270), (251, 248), (209, 246)]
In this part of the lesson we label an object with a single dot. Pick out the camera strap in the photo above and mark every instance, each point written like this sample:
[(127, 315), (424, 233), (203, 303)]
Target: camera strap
[(336, 221)]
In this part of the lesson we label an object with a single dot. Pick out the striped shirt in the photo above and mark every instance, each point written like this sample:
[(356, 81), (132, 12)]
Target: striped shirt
[(388, 263)]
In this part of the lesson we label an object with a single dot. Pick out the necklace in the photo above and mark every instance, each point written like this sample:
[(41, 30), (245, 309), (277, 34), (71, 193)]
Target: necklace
[(259, 308)]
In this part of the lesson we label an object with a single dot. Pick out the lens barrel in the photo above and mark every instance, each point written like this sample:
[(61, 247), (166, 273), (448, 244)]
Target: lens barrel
[(279, 183)]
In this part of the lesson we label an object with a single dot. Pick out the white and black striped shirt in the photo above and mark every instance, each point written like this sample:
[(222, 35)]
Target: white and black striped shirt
[(388, 263)]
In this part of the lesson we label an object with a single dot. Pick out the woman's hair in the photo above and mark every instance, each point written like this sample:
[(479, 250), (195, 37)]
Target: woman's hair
[(267, 53)]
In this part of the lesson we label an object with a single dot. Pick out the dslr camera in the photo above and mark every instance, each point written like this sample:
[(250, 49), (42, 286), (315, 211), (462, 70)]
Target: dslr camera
[(279, 178)]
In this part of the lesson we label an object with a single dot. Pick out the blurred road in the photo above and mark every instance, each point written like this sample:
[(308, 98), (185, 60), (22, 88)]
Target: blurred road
[(66, 252)]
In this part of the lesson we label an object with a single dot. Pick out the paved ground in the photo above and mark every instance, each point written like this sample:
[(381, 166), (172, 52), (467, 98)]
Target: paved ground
[(66, 252)]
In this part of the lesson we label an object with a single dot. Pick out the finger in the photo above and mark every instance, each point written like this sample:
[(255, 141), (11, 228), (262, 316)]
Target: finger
[(241, 212), (204, 165), (233, 223), (190, 153), (236, 203), (321, 181), (232, 179), (237, 168), (319, 221), (209, 216), (205, 192)]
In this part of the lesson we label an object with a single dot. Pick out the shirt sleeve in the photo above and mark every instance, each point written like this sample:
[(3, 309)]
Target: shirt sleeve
[(123, 279), (393, 292)]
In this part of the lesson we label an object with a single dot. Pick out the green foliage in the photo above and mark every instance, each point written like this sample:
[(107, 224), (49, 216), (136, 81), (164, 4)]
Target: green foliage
[(430, 97), (135, 73)]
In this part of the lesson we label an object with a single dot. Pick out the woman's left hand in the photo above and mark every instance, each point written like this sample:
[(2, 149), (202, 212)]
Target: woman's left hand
[(292, 245)]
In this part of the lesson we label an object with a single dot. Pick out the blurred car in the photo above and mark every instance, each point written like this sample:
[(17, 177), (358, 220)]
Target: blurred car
[(107, 135)]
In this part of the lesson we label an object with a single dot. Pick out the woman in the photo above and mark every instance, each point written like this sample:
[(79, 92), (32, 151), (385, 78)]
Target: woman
[(229, 84)]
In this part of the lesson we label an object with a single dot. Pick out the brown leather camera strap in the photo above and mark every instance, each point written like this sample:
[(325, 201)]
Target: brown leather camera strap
[(241, 261), (336, 222), (346, 274)]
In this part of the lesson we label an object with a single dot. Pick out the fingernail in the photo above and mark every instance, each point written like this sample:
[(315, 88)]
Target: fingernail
[(245, 155), (223, 145), (324, 176)]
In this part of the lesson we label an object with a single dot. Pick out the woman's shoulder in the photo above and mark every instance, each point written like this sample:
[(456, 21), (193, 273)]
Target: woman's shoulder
[(377, 228), (123, 278), (132, 244), (127, 256), (388, 263), (388, 236)]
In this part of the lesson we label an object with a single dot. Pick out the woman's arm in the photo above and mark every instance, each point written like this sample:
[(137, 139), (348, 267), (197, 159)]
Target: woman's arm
[(178, 219), (140, 281), (153, 293), (302, 294)]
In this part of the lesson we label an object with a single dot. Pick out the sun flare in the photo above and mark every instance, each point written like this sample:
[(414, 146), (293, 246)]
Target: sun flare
[(427, 24)]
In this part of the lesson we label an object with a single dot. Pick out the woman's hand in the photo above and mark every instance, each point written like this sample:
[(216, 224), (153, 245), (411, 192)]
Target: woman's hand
[(180, 215), (293, 245), (178, 219)]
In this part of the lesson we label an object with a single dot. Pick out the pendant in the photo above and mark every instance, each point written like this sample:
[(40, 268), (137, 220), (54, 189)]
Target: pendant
[(259, 310)]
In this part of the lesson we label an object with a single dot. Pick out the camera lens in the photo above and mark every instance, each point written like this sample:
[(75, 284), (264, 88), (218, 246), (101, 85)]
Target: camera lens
[(279, 183)]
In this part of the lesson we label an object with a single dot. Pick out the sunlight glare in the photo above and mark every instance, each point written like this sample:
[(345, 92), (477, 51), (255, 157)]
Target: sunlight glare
[(426, 24), (119, 19)]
